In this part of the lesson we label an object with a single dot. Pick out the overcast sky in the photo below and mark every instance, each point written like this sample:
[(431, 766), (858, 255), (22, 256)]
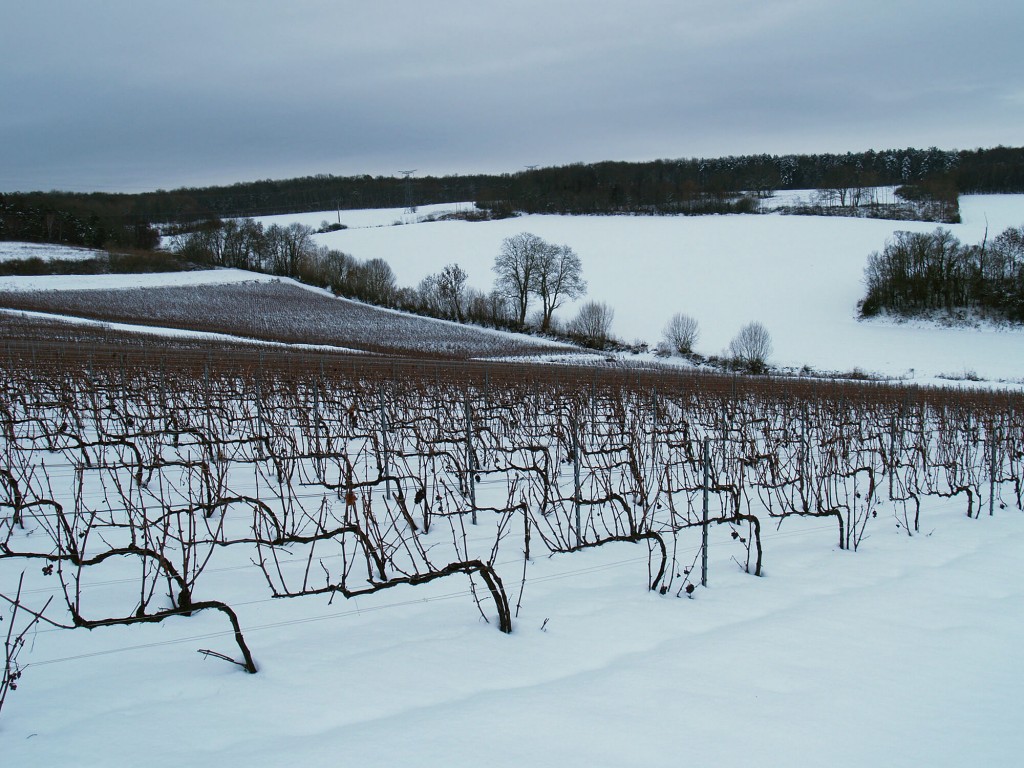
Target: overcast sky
[(130, 95)]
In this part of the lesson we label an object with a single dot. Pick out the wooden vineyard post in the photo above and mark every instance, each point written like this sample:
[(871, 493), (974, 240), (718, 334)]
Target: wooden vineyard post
[(993, 435), (654, 433), (576, 480), (321, 462), (164, 408), (262, 438), (892, 454), (704, 543), (384, 441), (208, 408), (470, 479)]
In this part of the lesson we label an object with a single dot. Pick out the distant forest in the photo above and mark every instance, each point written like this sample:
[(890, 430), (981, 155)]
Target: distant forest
[(728, 184), (920, 272)]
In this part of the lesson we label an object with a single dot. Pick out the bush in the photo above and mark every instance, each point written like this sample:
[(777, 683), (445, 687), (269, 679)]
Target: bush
[(870, 306), (682, 333), (592, 325), (136, 261), (330, 227), (751, 347)]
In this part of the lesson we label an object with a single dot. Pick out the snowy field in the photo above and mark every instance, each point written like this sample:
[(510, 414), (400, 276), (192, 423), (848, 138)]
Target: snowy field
[(800, 276), (903, 654), (10, 251), (163, 332), (145, 280), (238, 306)]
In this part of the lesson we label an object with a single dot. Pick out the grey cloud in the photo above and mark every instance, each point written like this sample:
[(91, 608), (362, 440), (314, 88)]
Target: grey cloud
[(118, 95)]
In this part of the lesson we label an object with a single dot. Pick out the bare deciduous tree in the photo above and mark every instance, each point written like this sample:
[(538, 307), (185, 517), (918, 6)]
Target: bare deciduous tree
[(451, 288), (559, 277), (751, 347), (682, 333), (528, 266), (592, 325), (377, 282), (289, 247), (517, 266)]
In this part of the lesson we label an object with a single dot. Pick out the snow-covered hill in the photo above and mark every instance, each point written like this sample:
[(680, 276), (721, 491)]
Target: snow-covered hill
[(234, 305), (10, 251), (800, 276), (904, 653)]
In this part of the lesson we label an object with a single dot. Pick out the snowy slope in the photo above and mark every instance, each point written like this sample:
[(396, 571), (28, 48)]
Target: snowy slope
[(45, 251), (235, 305), (368, 217), (903, 654), (800, 276), (146, 280)]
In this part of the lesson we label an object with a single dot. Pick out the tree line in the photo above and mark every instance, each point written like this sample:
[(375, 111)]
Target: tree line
[(689, 185), (529, 271), (926, 271), (67, 220)]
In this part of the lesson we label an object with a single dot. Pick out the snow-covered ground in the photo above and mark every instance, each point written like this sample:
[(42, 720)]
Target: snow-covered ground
[(801, 276), (906, 653), (237, 306), (165, 332), (146, 280), (10, 251), (369, 217), (791, 197)]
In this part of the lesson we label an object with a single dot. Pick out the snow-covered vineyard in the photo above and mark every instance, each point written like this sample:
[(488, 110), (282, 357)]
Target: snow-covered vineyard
[(355, 477), (192, 490)]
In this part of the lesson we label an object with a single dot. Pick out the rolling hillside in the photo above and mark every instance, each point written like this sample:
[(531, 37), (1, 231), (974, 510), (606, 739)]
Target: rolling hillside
[(800, 276), (242, 305)]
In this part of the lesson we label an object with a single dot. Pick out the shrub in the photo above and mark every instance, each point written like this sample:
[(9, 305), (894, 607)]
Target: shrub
[(751, 347), (592, 325), (682, 333)]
